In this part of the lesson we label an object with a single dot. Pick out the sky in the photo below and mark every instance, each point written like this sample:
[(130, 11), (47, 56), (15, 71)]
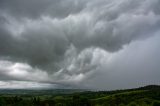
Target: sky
[(85, 44)]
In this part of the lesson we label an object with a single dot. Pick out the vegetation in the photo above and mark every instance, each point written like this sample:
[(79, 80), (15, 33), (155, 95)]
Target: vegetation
[(144, 96)]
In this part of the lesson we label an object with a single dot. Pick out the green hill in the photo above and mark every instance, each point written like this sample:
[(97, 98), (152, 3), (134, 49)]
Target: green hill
[(143, 96)]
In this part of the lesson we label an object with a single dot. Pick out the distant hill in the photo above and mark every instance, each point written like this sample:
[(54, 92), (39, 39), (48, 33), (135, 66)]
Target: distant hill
[(150, 87), (39, 92)]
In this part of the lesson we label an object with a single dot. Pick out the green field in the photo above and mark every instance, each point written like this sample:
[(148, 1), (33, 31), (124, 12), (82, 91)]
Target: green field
[(144, 96)]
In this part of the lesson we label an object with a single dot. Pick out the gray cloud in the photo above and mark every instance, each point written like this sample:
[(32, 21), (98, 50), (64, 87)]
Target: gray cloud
[(25, 85), (37, 8), (136, 65), (68, 40)]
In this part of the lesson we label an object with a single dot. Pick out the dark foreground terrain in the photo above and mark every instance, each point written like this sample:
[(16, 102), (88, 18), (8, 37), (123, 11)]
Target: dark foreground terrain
[(144, 96)]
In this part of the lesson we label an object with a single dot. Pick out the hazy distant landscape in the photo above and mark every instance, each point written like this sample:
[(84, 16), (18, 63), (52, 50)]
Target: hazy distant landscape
[(143, 96)]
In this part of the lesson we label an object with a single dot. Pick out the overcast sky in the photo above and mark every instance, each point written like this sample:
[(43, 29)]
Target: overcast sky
[(93, 44)]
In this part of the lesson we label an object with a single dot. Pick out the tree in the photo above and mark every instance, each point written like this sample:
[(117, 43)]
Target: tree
[(2, 102)]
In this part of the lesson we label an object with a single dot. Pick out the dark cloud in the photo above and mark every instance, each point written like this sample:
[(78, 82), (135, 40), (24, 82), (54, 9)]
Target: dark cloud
[(69, 41), (37, 8)]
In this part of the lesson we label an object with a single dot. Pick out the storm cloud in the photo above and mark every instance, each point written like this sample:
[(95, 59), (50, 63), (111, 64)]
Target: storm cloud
[(99, 44)]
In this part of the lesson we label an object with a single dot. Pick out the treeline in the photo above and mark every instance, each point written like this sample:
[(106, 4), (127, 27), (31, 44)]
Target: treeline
[(76, 100)]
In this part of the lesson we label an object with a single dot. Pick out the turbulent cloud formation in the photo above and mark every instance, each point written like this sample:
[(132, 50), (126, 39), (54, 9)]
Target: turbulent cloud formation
[(99, 44)]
